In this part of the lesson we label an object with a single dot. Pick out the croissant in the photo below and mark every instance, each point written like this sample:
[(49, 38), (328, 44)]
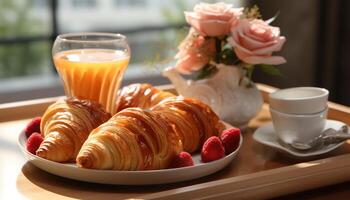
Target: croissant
[(140, 95), (65, 126), (193, 121), (133, 139)]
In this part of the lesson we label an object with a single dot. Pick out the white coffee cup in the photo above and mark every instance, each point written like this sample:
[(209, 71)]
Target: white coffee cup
[(299, 114), (299, 100), (298, 128)]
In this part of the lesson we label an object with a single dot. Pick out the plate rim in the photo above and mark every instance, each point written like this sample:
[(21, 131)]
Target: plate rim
[(21, 139)]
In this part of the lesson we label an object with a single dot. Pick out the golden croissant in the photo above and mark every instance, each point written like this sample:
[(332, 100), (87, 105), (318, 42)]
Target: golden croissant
[(133, 139), (193, 121), (140, 95), (65, 126)]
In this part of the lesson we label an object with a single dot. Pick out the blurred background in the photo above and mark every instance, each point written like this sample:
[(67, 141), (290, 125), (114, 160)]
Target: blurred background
[(317, 48)]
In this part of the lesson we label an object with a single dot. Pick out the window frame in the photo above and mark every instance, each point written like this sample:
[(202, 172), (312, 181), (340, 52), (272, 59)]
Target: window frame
[(45, 88)]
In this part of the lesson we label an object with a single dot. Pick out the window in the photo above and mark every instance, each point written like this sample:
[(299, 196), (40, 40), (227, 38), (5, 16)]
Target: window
[(84, 3), (129, 3), (40, 3), (24, 38), (29, 27)]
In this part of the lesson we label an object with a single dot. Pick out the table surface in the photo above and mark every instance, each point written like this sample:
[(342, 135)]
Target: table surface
[(20, 179)]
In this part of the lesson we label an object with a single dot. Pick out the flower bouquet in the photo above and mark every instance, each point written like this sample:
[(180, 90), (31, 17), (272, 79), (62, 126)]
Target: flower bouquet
[(222, 48)]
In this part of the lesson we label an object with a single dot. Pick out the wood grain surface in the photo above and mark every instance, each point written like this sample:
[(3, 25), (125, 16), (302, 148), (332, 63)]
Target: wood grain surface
[(257, 172)]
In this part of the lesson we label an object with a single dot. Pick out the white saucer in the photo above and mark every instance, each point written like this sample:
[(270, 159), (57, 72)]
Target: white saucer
[(265, 134)]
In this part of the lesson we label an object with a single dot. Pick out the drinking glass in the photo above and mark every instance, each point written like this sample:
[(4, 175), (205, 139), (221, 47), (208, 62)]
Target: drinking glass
[(91, 65)]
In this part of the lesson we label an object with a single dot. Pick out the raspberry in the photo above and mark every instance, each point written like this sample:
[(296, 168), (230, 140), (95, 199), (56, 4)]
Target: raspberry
[(230, 139), (183, 159), (212, 149), (34, 142), (33, 126)]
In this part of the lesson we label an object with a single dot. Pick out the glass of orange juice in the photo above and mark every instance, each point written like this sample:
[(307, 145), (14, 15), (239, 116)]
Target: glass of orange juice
[(91, 65)]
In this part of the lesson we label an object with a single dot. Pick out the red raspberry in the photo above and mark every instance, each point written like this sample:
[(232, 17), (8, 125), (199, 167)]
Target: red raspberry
[(34, 142), (184, 159), (33, 126), (230, 139), (212, 149)]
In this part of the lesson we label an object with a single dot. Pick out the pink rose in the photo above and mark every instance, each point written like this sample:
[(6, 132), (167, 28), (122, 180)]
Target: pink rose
[(213, 19), (255, 40), (194, 52)]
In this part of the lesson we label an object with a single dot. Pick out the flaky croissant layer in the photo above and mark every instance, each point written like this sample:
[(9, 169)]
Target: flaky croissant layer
[(140, 95), (137, 139), (192, 120), (65, 126), (133, 139), (143, 138)]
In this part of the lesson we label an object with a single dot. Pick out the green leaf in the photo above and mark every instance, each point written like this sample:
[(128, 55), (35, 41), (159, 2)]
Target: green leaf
[(207, 71), (252, 13), (228, 57), (270, 69)]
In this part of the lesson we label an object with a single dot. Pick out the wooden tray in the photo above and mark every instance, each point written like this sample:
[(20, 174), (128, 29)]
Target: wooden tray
[(258, 171)]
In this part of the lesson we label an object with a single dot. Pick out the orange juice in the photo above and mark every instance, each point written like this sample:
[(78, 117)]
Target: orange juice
[(93, 74)]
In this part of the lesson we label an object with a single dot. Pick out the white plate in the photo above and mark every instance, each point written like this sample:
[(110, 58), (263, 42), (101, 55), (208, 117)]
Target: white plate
[(148, 177), (265, 134)]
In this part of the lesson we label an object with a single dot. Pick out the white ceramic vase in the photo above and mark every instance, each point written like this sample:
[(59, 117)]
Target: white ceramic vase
[(226, 92)]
